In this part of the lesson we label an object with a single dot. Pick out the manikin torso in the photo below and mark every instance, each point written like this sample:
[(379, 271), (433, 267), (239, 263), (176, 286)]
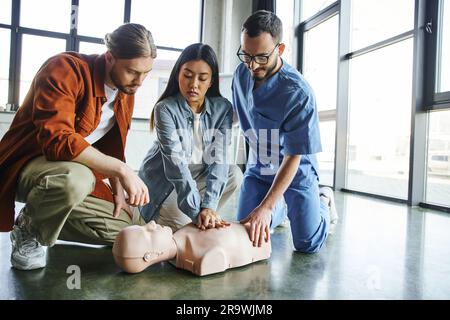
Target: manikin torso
[(200, 252), (215, 250)]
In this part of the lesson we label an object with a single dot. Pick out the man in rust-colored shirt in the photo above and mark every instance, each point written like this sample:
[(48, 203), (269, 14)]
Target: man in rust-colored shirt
[(63, 155)]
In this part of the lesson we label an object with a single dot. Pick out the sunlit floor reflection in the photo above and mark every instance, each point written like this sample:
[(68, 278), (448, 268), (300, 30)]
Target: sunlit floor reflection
[(380, 250)]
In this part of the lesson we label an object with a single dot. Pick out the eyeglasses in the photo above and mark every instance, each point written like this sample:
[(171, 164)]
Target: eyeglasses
[(259, 58)]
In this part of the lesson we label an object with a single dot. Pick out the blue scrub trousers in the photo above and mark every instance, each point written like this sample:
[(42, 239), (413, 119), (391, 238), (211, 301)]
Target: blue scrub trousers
[(309, 217)]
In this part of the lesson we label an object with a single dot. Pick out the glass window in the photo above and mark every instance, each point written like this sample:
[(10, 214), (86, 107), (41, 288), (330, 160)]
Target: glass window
[(326, 157), (438, 173), (377, 20), (5, 11), (35, 51), (321, 61), (167, 55), (170, 28), (5, 35), (93, 24), (51, 15), (444, 54), (311, 7), (91, 48), (379, 122), (285, 11), (155, 83)]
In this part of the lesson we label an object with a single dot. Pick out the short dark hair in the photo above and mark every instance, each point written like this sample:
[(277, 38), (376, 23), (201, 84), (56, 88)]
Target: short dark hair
[(196, 51), (264, 21), (129, 41)]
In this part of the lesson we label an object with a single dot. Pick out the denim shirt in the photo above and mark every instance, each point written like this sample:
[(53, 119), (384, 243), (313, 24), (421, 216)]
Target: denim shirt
[(166, 165)]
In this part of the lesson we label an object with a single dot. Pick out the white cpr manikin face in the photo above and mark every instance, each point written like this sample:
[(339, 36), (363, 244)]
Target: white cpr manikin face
[(157, 237)]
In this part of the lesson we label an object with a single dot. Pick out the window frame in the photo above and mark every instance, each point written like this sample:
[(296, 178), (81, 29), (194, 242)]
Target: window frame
[(433, 100), (321, 17), (71, 37), (424, 98)]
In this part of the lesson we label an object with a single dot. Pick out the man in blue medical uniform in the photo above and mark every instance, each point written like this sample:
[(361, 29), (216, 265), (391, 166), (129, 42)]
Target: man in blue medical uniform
[(278, 115)]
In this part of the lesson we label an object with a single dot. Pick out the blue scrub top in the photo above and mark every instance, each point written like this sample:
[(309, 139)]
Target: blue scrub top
[(284, 102)]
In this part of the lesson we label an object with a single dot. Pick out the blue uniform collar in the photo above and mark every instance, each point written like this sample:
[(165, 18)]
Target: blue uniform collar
[(187, 111), (269, 83)]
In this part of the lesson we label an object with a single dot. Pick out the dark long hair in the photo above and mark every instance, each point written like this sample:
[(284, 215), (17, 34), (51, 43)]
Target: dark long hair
[(196, 51)]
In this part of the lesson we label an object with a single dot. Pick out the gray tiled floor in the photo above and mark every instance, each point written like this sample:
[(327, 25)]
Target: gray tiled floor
[(380, 250)]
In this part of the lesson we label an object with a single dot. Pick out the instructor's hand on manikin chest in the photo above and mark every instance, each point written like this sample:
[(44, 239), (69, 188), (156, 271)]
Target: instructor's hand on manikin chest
[(259, 220)]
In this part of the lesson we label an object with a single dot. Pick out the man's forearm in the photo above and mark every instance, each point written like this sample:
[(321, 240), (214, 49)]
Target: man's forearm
[(282, 180), (94, 159)]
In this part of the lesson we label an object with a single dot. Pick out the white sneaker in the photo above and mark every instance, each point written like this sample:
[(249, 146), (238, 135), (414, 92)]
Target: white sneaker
[(27, 253), (328, 194)]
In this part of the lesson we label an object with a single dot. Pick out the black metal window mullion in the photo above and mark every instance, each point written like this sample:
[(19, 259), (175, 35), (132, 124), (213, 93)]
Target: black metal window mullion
[(128, 4), (76, 39), (381, 44), (202, 19), (300, 34), (15, 56), (311, 23), (16, 52), (127, 11), (43, 33), (127, 18), (73, 43), (441, 99), (439, 22), (433, 100), (426, 71), (15, 60), (419, 119), (317, 19), (430, 55), (269, 5), (321, 16), (89, 39)]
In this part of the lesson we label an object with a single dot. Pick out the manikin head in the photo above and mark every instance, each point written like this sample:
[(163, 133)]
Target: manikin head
[(138, 247)]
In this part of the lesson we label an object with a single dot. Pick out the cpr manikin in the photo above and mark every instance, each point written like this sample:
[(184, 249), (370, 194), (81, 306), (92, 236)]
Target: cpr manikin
[(201, 252)]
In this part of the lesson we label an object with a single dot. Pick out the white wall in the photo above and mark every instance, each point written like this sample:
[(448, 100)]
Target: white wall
[(222, 29)]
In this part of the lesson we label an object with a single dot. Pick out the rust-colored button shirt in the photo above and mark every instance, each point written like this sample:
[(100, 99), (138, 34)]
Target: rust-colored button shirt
[(62, 107)]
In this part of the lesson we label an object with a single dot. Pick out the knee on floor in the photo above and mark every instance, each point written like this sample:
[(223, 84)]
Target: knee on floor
[(306, 246)]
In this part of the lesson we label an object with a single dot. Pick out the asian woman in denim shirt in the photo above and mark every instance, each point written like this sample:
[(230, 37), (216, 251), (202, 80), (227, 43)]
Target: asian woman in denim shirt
[(187, 170)]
